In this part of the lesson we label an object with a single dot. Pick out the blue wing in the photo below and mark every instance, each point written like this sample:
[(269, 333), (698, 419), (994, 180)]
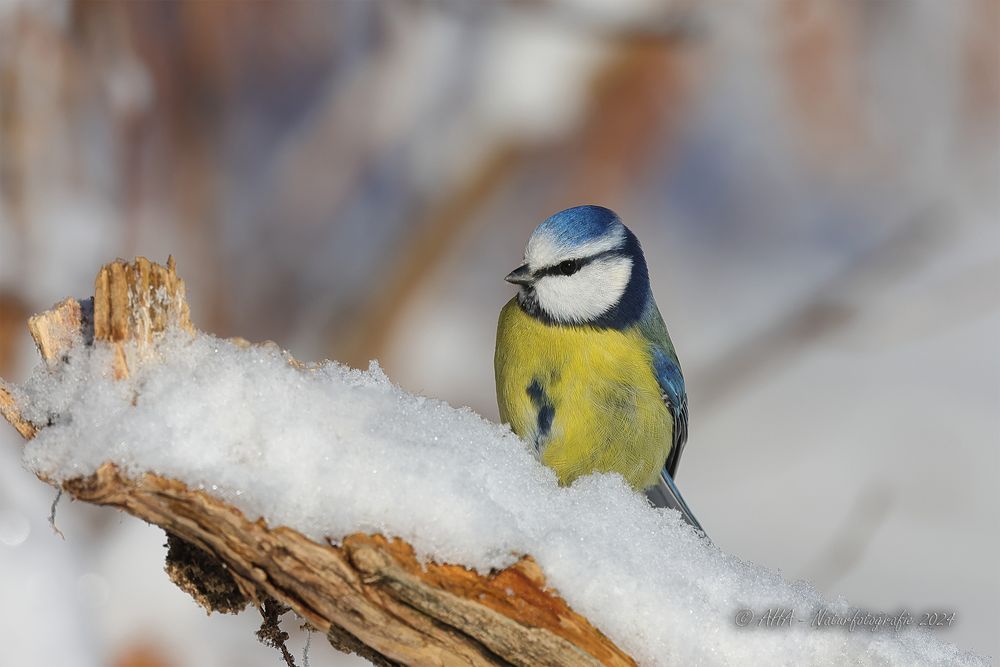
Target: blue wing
[(671, 381)]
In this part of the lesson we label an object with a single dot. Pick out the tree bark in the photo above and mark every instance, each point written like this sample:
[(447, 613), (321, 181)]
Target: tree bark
[(368, 594)]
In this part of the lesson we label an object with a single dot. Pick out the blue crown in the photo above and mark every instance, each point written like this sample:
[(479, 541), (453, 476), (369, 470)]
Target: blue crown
[(579, 224)]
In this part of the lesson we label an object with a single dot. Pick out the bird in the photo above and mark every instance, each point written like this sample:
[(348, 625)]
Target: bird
[(586, 372)]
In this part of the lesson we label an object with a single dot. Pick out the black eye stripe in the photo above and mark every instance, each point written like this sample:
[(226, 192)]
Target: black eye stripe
[(569, 267), (557, 269)]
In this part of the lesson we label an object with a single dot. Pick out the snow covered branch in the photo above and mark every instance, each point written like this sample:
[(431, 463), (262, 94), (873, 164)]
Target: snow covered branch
[(369, 594), (404, 529)]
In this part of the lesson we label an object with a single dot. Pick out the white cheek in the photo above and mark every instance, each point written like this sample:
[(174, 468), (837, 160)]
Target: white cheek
[(588, 293)]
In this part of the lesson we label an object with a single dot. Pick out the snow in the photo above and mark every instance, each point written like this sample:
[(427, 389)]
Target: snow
[(331, 451)]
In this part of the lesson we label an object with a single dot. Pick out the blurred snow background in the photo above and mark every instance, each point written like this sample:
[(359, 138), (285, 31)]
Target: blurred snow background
[(816, 184)]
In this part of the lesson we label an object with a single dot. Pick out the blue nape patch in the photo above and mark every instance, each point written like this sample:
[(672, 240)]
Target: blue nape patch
[(579, 224), (546, 411)]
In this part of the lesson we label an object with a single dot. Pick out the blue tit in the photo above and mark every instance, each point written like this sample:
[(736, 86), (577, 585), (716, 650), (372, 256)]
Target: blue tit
[(585, 368)]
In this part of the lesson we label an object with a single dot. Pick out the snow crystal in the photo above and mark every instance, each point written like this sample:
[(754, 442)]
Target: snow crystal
[(331, 451)]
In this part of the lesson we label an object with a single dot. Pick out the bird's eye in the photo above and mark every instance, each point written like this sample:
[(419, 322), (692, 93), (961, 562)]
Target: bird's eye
[(569, 267)]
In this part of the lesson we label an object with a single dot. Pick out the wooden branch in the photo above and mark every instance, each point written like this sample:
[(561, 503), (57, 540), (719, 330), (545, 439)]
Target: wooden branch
[(368, 594), (10, 412)]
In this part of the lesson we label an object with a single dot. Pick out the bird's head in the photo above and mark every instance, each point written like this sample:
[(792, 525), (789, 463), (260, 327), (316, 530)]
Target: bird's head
[(583, 266)]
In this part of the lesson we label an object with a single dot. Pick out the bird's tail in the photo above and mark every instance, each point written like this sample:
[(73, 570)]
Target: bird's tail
[(666, 494)]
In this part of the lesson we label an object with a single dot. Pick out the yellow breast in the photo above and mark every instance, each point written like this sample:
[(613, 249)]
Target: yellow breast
[(605, 407)]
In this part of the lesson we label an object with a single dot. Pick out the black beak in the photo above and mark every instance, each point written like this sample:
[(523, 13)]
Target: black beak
[(520, 276)]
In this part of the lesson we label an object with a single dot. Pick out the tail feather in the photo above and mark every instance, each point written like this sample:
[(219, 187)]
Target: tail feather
[(666, 494)]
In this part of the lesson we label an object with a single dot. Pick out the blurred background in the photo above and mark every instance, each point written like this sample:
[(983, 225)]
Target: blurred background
[(816, 184)]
